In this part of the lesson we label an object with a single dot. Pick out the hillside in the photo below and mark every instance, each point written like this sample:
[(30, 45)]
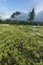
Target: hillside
[(21, 45)]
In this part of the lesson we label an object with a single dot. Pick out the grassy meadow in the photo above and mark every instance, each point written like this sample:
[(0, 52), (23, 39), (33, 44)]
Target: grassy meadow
[(21, 44)]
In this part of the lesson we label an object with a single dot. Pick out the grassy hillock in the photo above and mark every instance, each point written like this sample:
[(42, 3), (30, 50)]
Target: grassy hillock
[(21, 45)]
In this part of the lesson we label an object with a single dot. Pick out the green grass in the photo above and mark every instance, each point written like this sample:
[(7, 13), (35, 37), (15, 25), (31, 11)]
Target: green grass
[(21, 45)]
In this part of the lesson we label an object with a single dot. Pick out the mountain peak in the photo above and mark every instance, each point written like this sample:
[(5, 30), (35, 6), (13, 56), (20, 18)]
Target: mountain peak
[(19, 16), (16, 13)]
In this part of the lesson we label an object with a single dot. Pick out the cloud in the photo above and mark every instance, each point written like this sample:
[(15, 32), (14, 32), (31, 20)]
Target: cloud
[(5, 16)]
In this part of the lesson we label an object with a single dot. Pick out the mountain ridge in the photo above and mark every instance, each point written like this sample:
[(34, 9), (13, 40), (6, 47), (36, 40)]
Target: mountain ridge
[(24, 16)]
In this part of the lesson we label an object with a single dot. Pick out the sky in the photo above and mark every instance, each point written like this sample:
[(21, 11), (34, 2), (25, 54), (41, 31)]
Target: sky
[(7, 7)]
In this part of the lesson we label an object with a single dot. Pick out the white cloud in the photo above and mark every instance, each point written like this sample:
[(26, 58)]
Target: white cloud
[(6, 16)]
